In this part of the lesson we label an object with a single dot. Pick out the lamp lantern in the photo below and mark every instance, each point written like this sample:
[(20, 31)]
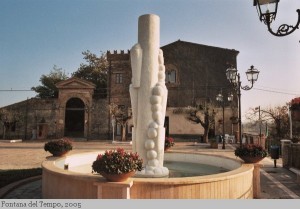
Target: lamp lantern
[(266, 9), (219, 97), (230, 97), (231, 74), (252, 74)]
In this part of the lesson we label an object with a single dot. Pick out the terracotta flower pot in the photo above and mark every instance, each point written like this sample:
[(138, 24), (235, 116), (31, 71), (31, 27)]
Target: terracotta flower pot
[(117, 177), (249, 159), (167, 148), (214, 145), (60, 153)]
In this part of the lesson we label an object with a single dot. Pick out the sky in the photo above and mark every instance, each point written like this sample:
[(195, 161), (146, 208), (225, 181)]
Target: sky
[(35, 35)]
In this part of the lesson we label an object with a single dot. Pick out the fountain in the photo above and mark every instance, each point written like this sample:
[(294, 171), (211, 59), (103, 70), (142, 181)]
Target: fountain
[(149, 98)]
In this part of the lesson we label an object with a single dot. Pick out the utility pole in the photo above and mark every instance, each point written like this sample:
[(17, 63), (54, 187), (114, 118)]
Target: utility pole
[(291, 123), (259, 118), (26, 119)]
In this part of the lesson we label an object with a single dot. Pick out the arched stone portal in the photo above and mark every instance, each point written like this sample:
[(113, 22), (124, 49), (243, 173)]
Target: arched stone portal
[(75, 101), (74, 118)]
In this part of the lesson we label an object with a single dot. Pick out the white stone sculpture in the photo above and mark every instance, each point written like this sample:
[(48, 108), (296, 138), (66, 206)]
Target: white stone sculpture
[(148, 94)]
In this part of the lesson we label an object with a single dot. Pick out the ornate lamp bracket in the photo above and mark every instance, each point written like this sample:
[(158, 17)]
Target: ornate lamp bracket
[(284, 29), (246, 88)]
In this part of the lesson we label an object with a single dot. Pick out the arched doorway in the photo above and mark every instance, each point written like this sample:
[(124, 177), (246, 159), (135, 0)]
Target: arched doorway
[(74, 118)]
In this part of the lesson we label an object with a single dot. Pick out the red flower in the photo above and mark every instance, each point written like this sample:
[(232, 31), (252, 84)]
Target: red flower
[(296, 101), (99, 157), (169, 142), (117, 161)]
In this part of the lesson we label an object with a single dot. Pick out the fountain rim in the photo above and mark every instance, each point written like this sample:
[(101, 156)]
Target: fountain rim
[(49, 165)]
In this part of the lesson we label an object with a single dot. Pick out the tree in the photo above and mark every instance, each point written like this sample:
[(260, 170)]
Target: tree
[(48, 88), (121, 116), (202, 114), (95, 71), (278, 116)]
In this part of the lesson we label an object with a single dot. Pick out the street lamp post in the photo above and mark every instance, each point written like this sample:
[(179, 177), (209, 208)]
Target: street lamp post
[(267, 10), (220, 99), (234, 78)]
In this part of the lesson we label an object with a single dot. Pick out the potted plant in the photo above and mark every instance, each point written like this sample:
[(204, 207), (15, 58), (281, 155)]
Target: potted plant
[(59, 147), (251, 153), (169, 142), (117, 165)]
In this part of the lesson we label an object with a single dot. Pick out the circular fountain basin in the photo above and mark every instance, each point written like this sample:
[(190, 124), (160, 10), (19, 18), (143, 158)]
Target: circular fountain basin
[(233, 180)]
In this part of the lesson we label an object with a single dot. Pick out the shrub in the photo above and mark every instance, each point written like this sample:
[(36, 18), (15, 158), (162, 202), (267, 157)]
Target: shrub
[(250, 150), (117, 162), (58, 146)]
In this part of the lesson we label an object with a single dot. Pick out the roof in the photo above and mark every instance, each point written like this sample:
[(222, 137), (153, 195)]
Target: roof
[(75, 83), (180, 42)]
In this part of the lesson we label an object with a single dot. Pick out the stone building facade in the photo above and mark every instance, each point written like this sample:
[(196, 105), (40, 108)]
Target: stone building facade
[(195, 74), (75, 113), (37, 119)]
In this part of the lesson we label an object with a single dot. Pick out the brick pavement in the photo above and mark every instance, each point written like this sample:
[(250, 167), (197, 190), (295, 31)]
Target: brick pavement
[(32, 190)]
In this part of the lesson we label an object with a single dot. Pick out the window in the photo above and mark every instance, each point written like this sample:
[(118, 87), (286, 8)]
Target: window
[(119, 78), (171, 76)]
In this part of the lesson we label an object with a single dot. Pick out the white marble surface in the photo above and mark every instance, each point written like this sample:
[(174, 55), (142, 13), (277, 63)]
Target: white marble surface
[(148, 97)]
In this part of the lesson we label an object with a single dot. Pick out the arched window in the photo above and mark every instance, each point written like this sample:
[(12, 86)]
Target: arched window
[(171, 74)]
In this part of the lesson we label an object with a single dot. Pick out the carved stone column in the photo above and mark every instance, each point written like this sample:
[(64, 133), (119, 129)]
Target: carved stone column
[(148, 97)]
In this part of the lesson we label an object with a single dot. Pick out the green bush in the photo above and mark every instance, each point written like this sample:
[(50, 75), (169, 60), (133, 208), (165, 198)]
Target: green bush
[(250, 150), (60, 145), (117, 162)]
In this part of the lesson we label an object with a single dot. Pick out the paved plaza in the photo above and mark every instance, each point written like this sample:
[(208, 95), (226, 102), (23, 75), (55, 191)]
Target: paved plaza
[(276, 183)]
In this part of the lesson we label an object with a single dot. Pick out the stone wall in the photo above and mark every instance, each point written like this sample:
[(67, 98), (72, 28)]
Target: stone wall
[(179, 125), (290, 154), (200, 75), (119, 65), (39, 119), (100, 123), (200, 72)]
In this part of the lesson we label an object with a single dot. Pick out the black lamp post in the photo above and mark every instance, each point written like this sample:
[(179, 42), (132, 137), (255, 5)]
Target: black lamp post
[(267, 10), (220, 99), (234, 78)]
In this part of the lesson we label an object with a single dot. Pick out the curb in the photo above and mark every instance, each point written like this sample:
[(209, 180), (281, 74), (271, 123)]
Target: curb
[(10, 187), (11, 141)]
